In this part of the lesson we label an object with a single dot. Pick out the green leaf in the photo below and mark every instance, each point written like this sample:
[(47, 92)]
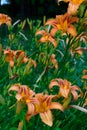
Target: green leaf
[(57, 128), (13, 128), (2, 101)]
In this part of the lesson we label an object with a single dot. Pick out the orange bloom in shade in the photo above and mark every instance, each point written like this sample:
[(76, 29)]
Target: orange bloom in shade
[(44, 108), (80, 50), (66, 89), (46, 37), (9, 55), (5, 19), (54, 61), (84, 77), (84, 74), (21, 54), (63, 23)]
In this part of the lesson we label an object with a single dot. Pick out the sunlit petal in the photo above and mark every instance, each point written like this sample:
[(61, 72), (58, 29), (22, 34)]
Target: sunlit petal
[(46, 117), (72, 30), (56, 105)]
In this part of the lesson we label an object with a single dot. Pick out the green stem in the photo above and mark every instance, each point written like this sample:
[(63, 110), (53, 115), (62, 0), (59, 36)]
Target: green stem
[(41, 75)]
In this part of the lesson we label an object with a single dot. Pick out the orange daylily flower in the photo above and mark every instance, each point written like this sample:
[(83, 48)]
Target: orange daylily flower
[(72, 8), (44, 108), (77, 1), (80, 50), (66, 89), (37, 104), (63, 23), (84, 74), (21, 54), (24, 93), (84, 77), (54, 61), (73, 5), (11, 55), (5, 19), (46, 37), (73, 1)]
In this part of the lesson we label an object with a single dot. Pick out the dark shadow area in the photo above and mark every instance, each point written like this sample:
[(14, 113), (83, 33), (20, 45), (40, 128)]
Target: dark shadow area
[(33, 9)]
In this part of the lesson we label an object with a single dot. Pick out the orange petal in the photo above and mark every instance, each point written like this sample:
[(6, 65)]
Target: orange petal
[(28, 117), (72, 30), (53, 31), (72, 8), (75, 95), (53, 41), (64, 92), (18, 97), (56, 105), (53, 83), (15, 88), (11, 63), (25, 59), (79, 50), (31, 109), (54, 61), (50, 22), (74, 92), (73, 19), (84, 77), (46, 117), (74, 88), (43, 39), (34, 63), (40, 32)]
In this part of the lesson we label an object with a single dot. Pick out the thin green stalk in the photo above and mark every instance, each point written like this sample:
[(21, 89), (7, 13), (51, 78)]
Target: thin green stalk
[(41, 75)]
